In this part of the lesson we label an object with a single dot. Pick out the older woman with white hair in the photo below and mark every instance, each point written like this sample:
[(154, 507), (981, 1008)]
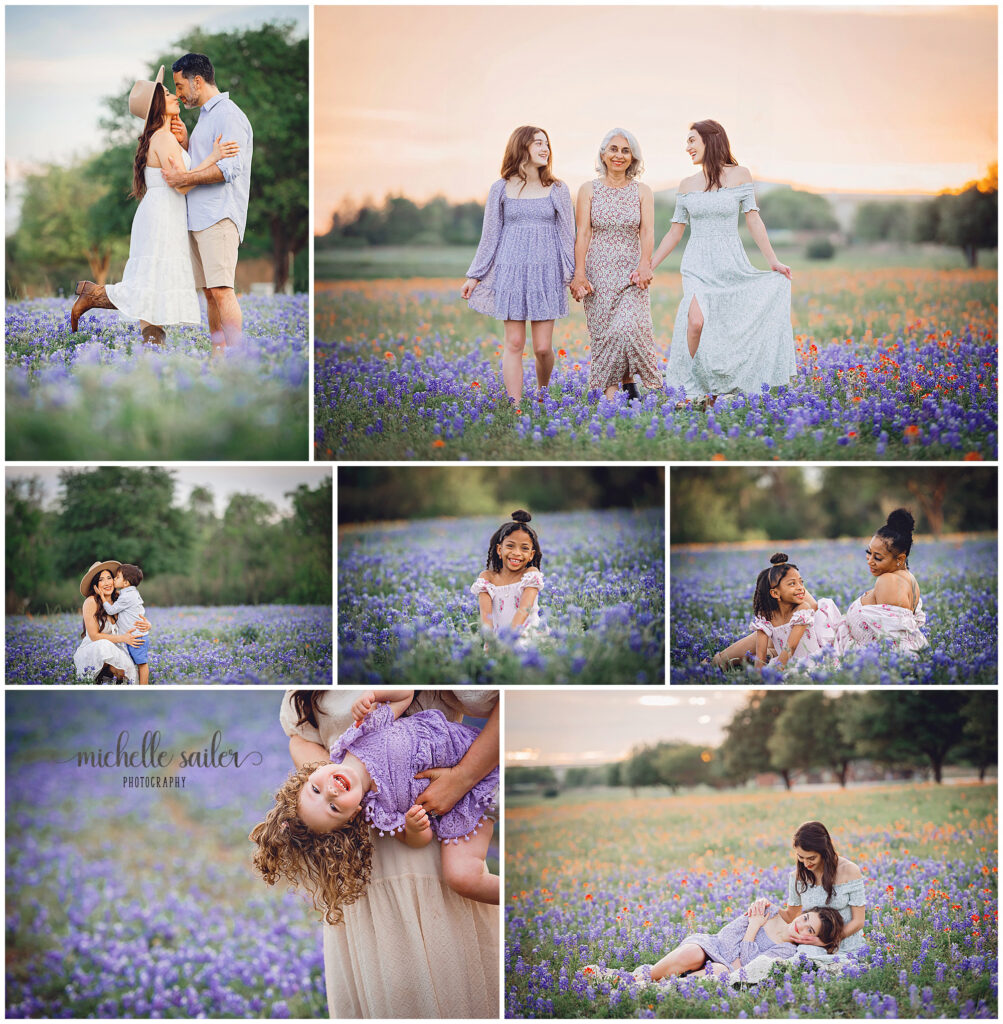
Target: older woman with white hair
[(615, 238)]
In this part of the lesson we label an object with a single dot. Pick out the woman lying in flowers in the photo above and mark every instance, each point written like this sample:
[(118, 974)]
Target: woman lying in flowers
[(821, 878), (741, 941), (788, 623), (506, 591), (893, 608)]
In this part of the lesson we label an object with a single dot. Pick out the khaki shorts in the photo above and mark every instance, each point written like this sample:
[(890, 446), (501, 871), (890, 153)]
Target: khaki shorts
[(214, 254)]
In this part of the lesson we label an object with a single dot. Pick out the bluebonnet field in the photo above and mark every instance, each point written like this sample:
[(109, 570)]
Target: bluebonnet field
[(102, 393), (579, 892), (712, 608), (229, 645), (892, 364), (406, 614), (135, 902)]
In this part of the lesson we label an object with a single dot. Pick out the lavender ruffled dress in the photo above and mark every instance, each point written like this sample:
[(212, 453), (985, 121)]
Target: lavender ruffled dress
[(526, 256), (728, 944), (394, 750)]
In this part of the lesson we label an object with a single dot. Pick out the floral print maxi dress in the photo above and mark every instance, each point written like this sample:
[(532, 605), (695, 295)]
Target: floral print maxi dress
[(618, 313)]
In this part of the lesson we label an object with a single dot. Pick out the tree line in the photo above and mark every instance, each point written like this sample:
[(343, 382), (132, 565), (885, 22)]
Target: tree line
[(732, 503), (189, 555), (965, 219), (373, 493), (794, 734), (76, 218)]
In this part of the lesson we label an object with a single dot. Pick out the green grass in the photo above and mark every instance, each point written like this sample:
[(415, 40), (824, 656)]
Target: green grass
[(928, 855)]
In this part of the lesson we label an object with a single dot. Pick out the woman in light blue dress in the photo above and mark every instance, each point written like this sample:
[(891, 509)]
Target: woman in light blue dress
[(733, 330), (822, 878)]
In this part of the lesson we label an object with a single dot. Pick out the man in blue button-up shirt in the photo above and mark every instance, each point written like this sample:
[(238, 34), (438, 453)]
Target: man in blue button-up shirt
[(217, 202)]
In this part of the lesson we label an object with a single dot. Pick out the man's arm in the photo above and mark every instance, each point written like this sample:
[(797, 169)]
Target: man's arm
[(178, 178)]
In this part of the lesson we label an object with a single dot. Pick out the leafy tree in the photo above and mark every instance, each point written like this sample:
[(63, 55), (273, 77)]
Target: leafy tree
[(746, 749), (27, 551), (122, 513), (980, 735), (883, 221), (967, 219), (265, 70), (906, 727), (797, 211), (682, 764), (640, 768), (56, 236), (804, 735)]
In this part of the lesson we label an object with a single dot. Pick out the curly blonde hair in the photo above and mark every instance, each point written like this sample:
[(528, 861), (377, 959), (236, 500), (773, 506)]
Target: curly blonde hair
[(333, 867)]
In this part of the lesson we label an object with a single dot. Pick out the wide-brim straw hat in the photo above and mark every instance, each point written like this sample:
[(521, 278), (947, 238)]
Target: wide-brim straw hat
[(97, 567), (141, 97)]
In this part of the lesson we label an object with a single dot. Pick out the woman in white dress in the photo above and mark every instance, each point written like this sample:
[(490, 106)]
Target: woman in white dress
[(892, 609), (410, 946), (101, 655), (158, 285), (733, 330)]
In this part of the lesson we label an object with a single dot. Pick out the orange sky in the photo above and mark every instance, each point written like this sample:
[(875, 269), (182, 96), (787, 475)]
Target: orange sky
[(421, 100)]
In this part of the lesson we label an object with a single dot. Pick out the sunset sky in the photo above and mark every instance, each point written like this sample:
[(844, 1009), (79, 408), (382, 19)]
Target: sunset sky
[(421, 100), (599, 726)]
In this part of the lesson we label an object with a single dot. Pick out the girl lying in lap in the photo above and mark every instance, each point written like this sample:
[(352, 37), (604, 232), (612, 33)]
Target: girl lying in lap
[(740, 941)]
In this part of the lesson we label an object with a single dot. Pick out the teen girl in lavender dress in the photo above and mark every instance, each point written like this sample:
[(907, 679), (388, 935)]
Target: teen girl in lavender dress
[(525, 259)]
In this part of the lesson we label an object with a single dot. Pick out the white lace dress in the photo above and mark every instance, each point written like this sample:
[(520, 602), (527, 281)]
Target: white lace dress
[(505, 602), (91, 656), (747, 338), (817, 639), (869, 623), (410, 947), (158, 284)]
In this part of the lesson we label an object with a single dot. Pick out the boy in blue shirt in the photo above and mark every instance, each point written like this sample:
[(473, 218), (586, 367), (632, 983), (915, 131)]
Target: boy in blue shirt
[(128, 607)]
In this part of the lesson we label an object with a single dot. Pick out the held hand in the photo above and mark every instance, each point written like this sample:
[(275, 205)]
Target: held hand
[(179, 131), (443, 791), (782, 268), (173, 175), (643, 276), (757, 919), (222, 150), (363, 706), (468, 287), (758, 907), (416, 820)]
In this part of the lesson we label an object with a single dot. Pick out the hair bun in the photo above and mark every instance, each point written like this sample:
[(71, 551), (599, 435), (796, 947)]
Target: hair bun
[(520, 515), (778, 559), (901, 521)]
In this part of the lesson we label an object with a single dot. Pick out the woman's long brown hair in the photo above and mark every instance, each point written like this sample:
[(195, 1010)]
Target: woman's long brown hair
[(154, 122), (814, 837), (102, 616), (717, 151), (517, 153)]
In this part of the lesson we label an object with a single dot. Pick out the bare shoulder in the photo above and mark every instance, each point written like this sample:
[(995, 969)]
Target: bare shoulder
[(90, 604), (889, 586), (847, 871), (585, 192), (738, 176), (645, 191), (690, 184), (487, 575)]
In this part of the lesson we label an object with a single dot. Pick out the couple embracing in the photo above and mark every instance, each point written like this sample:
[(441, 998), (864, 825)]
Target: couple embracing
[(192, 211)]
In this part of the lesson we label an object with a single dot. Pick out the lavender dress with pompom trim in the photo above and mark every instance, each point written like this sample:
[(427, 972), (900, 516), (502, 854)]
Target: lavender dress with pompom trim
[(395, 750)]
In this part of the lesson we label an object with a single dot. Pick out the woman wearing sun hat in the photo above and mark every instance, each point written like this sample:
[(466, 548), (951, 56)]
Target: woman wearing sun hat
[(101, 656), (158, 285)]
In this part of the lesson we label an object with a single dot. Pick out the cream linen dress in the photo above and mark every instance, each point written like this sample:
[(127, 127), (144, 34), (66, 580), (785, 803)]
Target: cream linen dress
[(410, 947)]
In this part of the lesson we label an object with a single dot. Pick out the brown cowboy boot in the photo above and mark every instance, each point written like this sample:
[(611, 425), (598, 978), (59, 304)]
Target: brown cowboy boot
[(92, 296), (154, 335)]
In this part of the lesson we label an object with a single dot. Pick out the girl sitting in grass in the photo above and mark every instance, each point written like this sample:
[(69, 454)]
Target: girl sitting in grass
[(507, 590), (788, 623)]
